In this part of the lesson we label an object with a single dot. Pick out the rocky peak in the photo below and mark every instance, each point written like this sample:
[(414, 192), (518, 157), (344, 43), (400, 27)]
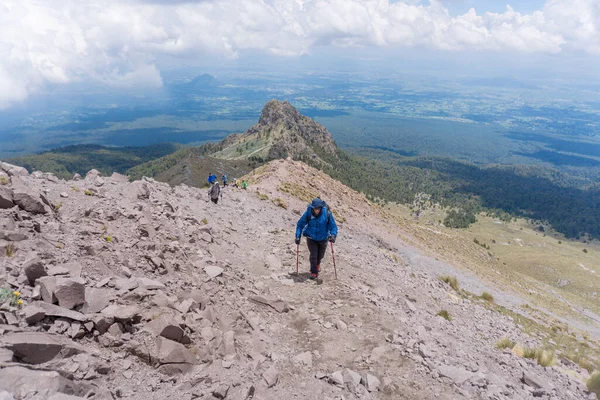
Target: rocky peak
[(275, 112)]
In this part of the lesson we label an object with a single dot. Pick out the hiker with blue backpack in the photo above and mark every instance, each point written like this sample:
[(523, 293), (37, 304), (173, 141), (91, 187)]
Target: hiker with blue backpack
[(318, 226)]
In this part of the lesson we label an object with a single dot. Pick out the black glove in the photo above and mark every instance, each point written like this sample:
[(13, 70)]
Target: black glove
[(332, 238), (297, 240)]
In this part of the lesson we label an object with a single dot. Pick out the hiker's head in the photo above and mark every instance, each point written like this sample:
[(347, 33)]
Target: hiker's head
[(316, 205)]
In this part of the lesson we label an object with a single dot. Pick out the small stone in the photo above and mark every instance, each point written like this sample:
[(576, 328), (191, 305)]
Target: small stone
[(337, 378), (271, 376), (221, 392), (64, 195), (371, 382), (213, 271), (121, 313)]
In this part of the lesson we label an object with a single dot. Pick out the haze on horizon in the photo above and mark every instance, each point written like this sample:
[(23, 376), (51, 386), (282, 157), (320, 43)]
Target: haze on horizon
[(132, 45)]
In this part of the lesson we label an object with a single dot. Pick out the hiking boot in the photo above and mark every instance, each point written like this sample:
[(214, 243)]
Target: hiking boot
[(313, 276)]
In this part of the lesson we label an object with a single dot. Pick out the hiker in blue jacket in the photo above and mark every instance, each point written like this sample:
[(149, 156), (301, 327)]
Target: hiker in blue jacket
[(318, 225)]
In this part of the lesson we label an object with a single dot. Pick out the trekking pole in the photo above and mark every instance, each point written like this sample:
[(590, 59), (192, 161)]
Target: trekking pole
[(297, 250), (333, 257)]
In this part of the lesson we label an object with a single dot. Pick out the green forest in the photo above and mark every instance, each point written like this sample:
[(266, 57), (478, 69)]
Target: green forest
[(64, 162)]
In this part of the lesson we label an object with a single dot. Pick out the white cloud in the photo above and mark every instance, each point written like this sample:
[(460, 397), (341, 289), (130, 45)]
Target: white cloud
[(117, 43)]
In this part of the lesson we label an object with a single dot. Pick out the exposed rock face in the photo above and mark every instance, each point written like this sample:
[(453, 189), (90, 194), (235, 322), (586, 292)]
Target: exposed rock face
[(282, 132), (131, 285)]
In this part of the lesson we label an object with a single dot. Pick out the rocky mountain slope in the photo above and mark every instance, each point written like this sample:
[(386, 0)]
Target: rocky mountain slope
[(145, 291)]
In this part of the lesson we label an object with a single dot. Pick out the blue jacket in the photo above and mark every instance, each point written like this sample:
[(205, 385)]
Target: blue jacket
[(212, 178), (317, 228)]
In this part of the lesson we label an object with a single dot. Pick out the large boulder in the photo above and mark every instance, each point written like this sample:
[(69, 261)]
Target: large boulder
[(69, 292), (29, 202), (122, 313), (38, 347), (34, 269), (47, 287), (13, 170), (24, 382), (60, 312), (6, 198)]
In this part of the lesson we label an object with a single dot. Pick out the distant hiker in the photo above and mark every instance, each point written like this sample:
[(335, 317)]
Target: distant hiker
[(214, 192), (224, 178), (244, 184), (236, 183), (318, 225), (212, 178)]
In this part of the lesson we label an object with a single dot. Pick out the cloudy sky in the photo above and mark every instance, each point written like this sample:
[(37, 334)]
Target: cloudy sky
[(129, 43)]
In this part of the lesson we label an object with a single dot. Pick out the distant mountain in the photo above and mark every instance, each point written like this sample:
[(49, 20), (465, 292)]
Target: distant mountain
[(203, 81)]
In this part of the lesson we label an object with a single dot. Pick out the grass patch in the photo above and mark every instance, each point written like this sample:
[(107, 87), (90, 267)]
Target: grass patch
[(88, 192), (3, 180), (262, 196), (108, 238), (10, 250), (451, 280), (487, 297), (593, 383), (445, 314), (204, 221), (505, 343), (544, 357), (280, 203)]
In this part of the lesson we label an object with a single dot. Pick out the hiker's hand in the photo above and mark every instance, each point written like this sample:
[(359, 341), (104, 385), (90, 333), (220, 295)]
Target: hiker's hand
[(297, 240), (332, 238)]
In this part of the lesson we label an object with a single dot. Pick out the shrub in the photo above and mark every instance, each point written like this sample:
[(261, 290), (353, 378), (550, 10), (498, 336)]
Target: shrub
[(262, 196), (204, 221), (593, 383), (452, 281), (586, 364), (487, 297), (13, 297), (584, 250), (545, 358), (88, 192), (108, 238), (444, 314), (505, 343), (280, 203), (3, 180)]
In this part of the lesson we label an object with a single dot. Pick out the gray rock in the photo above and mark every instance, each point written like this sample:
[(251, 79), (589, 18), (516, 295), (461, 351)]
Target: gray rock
[(425, 351), (13, 170), (185, 306), (12, 236), (456, 374), (170, 352), (150, 284), (34, 269), (6, 198), (278, 305), (58, 270), (122, 313), (221, 392), (38, 347), (271, 376), (96, 300), (228, 343), (371, 382), (69, 292), (337, 378), (535, 381), (303, 359), (118, 178), (6, 355), (4, 395), (34, 314), (166, 326), (47, 286), (29, 202), (61, 312), (351, 376), (24, 382), (213, 271)]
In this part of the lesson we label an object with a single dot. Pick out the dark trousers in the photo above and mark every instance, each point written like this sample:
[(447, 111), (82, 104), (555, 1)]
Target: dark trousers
[(317, 252), (215, 200)]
